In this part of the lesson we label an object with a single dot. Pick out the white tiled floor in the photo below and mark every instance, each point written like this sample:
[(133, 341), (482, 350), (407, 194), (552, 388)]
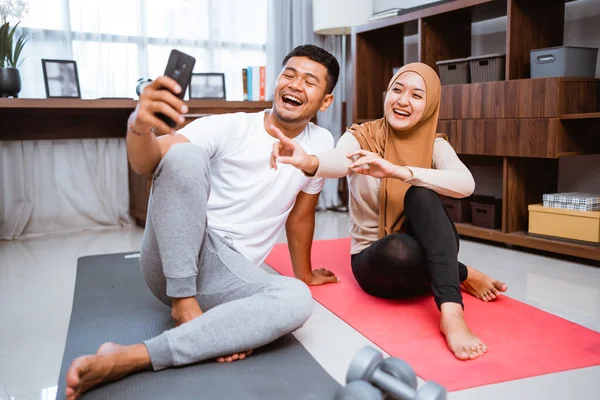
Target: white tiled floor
[(36, 288)]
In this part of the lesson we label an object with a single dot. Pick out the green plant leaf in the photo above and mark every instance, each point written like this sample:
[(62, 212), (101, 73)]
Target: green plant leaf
[(9, 55), (9, 44), (3, 43), (18, 49)]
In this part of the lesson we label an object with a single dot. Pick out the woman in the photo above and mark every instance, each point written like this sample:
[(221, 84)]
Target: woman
[(402, 239)]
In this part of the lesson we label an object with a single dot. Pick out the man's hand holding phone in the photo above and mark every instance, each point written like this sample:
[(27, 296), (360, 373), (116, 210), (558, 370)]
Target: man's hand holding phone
[(155, 99)]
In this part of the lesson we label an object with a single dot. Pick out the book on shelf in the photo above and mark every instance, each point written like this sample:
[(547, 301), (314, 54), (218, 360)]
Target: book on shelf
[(262, 83), (245, 82), (249, 83), (253, 80)]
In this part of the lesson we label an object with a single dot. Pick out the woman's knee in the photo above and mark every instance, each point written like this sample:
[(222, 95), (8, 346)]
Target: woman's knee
[(416, 194)]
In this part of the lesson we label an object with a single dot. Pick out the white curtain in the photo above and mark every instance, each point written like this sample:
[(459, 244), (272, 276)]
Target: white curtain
[(62, 186), (290, 25), (115, 42), (70, 185)]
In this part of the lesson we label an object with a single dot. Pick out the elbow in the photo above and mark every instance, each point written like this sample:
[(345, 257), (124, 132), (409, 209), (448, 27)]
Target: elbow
[(304, 220), (465, 188), (469, 187), (139, 169)]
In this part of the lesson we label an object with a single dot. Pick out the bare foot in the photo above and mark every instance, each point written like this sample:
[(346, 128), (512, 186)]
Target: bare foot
[(461, 341), (234, 357), (111, 362), (481, 286), (184, 310)]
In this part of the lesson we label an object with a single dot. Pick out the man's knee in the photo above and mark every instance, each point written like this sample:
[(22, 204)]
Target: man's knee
[(182, 163), (184, 158), (297, 304)]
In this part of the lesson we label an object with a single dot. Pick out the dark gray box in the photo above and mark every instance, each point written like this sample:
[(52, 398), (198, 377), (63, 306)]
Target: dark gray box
[(564, 61)]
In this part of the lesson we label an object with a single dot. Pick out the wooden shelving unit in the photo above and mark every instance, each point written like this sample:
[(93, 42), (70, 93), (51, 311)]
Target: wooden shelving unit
[(525, 125)]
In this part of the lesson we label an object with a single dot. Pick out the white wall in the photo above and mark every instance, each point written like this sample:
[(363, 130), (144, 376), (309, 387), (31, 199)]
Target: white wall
[(582, 28)]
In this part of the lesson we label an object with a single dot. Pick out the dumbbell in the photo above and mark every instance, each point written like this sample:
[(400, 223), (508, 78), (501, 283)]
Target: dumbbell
[(392, 375), (359, 390)]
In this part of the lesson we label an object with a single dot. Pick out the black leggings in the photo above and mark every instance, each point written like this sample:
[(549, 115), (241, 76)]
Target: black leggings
[(406, 264)]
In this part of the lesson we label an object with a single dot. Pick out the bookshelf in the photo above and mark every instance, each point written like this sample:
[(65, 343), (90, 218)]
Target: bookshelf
[(524, 124)]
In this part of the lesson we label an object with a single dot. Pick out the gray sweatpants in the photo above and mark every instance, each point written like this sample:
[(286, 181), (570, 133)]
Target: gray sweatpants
[(244, 307)]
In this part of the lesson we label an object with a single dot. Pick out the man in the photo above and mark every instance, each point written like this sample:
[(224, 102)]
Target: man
[(200, 253)]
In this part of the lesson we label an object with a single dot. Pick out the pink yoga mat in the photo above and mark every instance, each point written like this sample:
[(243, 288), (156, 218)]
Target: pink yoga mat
[(522, 341)]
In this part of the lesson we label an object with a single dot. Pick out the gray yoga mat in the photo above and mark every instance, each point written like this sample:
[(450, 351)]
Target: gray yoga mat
[(112, 304)]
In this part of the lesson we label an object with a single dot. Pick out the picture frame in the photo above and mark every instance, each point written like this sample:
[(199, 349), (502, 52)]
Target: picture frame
[(208, 85), (61, 79)]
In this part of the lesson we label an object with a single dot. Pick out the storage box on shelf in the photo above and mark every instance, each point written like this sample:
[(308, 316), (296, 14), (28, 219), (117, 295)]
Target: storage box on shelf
[(454, 72), (526, 124), (487, 68), (459, 210), (563, 223), (486, 212), (568, 61), (573, 201)]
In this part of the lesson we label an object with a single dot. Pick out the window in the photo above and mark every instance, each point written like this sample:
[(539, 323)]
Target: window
[(115, 42)]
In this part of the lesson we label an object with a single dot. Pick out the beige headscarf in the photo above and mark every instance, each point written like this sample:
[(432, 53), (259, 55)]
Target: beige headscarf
[(412, 147)]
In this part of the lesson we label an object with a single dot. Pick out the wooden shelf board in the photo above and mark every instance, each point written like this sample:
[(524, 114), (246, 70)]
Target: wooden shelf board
[(595, 115), (478, 232), (121, 104), (57, 119), (68, 103), (523, 239)]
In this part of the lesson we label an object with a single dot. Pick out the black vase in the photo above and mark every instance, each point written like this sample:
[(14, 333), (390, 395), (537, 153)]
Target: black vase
[(10, 82)]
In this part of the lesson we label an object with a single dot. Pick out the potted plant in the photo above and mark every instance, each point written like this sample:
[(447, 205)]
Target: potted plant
[(11, 47)]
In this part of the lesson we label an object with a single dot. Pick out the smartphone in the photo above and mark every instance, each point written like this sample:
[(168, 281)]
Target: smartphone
[(179, 67)]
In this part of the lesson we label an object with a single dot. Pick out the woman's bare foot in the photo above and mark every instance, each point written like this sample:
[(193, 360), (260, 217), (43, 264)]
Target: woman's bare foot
[(481, 286), (186, 309), (111, 362), (461, 341)]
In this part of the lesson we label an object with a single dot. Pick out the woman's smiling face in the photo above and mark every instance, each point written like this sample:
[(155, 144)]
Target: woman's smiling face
[(405, 101)]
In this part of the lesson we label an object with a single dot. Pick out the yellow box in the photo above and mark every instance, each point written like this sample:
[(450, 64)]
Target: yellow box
[(568, 224)]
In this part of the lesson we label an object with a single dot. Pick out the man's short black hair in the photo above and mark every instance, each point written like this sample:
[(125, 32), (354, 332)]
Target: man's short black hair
[(321, 56)]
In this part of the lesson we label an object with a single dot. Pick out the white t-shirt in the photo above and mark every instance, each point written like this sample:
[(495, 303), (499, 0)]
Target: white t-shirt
[(249, 202)]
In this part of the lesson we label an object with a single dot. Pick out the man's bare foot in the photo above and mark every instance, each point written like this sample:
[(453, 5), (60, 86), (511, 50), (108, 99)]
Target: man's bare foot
[(234, 357), (481, 286), (461, 341), (111, 362), (184, 309)]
